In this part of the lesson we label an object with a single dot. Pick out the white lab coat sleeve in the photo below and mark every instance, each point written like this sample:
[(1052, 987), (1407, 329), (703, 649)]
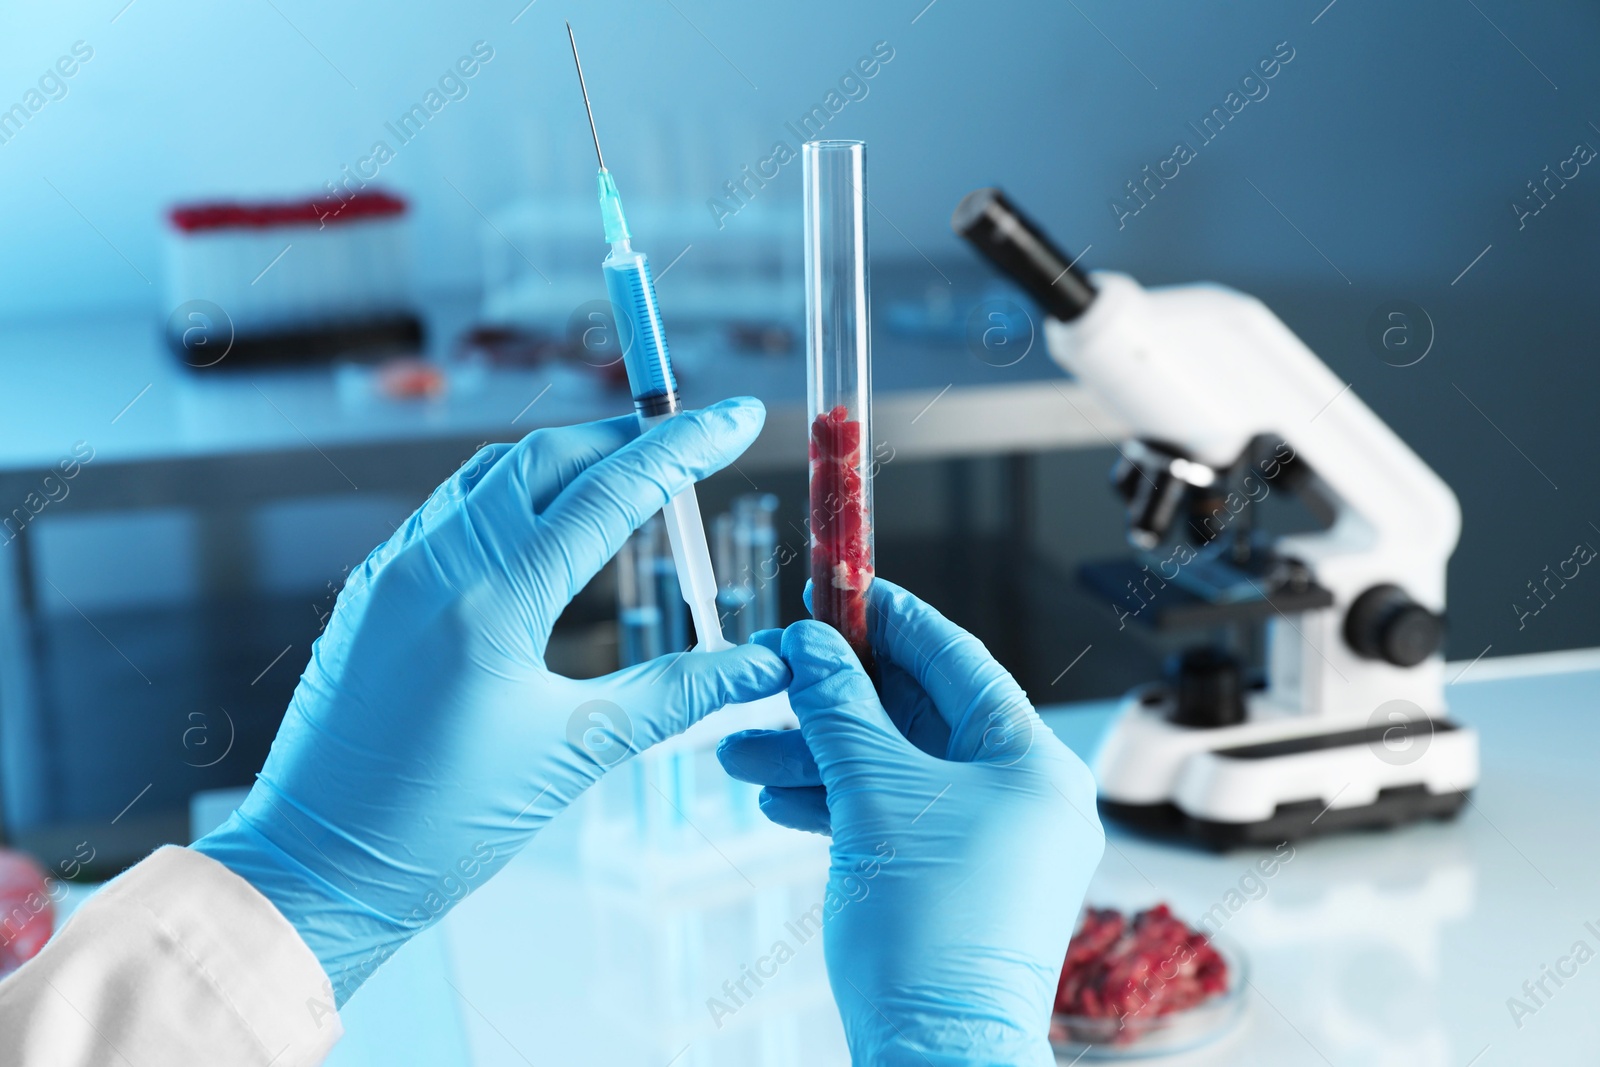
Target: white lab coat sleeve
[(178, 961)]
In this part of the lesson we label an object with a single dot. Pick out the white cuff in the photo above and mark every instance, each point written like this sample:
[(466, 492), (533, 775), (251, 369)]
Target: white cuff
[(179, 960)]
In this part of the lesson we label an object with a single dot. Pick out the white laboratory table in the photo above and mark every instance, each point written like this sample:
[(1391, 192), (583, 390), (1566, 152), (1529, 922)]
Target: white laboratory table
[(1394, 948)]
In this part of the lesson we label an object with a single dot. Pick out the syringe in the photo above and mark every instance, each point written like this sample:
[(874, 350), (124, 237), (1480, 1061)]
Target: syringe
[(643, 340)]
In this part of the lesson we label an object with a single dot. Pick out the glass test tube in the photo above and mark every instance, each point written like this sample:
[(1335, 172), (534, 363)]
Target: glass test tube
[(756, 531), (734, 593), (839, 387), (639, 616), (669, 595), (650, 610)]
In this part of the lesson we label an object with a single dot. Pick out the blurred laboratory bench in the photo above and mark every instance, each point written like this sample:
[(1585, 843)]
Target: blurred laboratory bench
[(1395, 948), (102, 420), (112, 382), (179, 577)]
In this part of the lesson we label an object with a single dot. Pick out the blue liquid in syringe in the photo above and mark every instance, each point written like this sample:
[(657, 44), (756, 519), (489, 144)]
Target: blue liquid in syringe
[(639, 329)]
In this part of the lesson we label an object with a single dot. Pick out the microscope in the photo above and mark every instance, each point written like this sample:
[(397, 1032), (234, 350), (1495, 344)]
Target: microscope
[(1344, 726)]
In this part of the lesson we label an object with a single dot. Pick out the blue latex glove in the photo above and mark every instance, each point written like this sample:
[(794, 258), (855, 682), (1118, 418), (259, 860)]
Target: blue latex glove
[(427, 741), (964, 835)]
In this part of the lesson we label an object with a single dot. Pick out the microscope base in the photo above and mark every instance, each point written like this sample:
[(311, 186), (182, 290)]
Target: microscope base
[(1275, 777), (1291, 822)]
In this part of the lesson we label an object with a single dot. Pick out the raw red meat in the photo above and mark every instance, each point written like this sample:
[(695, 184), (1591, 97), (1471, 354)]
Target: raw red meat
[(27, 913), (1154, 965), (841, 532)]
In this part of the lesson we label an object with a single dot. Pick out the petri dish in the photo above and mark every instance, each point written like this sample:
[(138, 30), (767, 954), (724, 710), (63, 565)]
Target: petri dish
[(1133, 1037)]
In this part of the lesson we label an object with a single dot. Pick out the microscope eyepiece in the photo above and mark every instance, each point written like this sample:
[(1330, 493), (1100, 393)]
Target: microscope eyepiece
[(1023, 252)]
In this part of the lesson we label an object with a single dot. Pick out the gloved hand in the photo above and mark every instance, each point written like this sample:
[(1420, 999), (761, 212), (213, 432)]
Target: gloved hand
[(964, 835), (427, 741)]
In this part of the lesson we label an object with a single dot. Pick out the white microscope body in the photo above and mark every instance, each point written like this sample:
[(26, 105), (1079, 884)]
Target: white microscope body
[(1210, 369), (1351, 727)]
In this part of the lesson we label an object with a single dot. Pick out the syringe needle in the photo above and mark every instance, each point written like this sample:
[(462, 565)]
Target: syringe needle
[(585, 88), (633, 297)]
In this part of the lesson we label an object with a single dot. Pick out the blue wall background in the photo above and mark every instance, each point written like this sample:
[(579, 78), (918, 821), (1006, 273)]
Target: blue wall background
[(1382, 163), (1395, 140)]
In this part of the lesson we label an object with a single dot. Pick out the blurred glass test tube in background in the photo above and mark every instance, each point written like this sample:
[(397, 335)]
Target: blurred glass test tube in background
[(650, 610), (839, 387), (757, 536), (733, 588), (745, 548), (671, 780)]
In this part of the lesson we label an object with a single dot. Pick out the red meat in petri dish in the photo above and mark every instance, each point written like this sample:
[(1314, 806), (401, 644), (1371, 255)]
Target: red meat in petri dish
[(841, 531), (1131, 970)]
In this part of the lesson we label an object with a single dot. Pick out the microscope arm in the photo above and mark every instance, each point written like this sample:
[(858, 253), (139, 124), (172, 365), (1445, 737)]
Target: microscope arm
[(1205, 369)]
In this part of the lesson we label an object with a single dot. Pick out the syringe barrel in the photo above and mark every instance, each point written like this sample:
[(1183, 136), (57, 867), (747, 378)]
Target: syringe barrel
[(640, 333), (839, 387)]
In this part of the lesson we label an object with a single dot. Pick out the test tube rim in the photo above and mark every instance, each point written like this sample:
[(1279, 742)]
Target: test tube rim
[(861, 340)]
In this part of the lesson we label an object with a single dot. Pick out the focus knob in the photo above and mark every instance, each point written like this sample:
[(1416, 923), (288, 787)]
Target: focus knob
[(1384, 623)]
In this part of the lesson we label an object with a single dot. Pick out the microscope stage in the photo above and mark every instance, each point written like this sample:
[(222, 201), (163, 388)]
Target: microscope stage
[(1137, 593)]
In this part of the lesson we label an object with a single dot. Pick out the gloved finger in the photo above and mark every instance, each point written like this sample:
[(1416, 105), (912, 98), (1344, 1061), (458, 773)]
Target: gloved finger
[(799, 809), (911, 709), (531, 473), (442, 501), (540, 466), (769, 757), (988, 713), (666, 696), (503, 486), (460, 484), (772, 639), (587, 522), (840, 716), (549, 459)]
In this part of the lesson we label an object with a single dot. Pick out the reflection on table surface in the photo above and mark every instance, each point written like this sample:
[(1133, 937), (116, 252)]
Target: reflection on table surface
[(596, 947), (1371, 949)]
